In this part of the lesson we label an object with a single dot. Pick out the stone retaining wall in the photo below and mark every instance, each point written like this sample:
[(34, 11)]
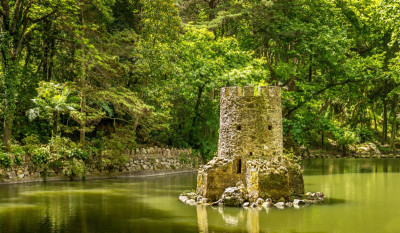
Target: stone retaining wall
[(146, 161)]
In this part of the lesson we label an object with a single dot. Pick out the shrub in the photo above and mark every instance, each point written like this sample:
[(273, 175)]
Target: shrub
[(17, 151), (74, 167), (40, 156), (365, 134), (112, 160), (17, 159), (184, 158), (78, 154), (61, 145), (348, 138), (31, 142), (5, 159)]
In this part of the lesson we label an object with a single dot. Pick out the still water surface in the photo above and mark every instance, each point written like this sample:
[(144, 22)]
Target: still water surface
[(363, 196)]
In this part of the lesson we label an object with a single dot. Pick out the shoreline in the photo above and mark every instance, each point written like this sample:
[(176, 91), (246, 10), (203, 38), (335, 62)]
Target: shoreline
[(115, 176)]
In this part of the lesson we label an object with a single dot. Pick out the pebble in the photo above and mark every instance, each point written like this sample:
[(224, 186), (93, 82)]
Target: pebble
[(280, 204), (298, 202), (183, 198), (191, 202)]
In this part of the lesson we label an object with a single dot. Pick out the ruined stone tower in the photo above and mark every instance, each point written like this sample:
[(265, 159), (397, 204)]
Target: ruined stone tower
[(250, 122), (250, 147)]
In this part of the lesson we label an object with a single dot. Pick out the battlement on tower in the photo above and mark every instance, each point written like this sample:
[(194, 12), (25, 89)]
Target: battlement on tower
[(265, 91)]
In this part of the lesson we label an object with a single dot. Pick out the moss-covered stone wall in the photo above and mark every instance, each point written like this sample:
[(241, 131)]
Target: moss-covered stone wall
[(140, 162), (216, 176)]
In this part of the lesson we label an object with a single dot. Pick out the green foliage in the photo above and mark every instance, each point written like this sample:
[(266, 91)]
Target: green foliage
[(384, 150), (53, 99), (40, 156), (292, 156), (74, 167), (365, 134), (184, 158), (31, 142), (5, 159), (62, 145), (17, 159), (78, 153), (17, 151), (147, 72), (346, 138), (122, 140)]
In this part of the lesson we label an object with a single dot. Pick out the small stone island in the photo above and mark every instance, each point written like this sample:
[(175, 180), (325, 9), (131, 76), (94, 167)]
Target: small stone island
[(250, 169)]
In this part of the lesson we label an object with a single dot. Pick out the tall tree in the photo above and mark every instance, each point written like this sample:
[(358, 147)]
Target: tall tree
[(19, 18)]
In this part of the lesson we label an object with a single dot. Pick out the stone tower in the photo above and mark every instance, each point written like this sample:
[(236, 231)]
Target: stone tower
[(250, 122), (250, 148)]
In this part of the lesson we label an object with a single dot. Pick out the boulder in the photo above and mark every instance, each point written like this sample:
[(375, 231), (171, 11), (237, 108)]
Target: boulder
[(259, 202), (191, 202), (233, 196), (298, 202), (289, 204), (280, 205), (368, 149), (267, 204), (183, 198)]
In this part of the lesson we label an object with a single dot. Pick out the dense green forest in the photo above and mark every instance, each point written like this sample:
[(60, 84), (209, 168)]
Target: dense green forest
[(97, 78)]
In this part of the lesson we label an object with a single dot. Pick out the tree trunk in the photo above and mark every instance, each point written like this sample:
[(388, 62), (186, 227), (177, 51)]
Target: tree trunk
[(54, 125), (10, 83), (212, 4), (7, 132), (82, 131), (322, 138), (310, 70), (394, 117), (385, 122), (196, 110), (82, 135), (374, 115)]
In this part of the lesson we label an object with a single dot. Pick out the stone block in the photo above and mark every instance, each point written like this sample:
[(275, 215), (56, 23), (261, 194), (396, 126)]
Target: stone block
[(274, 185)]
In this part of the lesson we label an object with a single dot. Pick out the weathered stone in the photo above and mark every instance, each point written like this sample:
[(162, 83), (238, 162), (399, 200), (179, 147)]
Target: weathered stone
[(191, 202), (259, 201), (267, 203), (274, 185), (10, 175), (367, 150), (233, 196), (183, 198), (289, 204), (250, 150), (280, 204), (298, 202), (254, 116)]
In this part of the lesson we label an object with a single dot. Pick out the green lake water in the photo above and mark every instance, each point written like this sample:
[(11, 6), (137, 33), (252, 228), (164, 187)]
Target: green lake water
[(363, 196)]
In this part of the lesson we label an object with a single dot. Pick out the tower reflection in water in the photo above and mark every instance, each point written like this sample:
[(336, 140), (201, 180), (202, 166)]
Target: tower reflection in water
[(239, 219)]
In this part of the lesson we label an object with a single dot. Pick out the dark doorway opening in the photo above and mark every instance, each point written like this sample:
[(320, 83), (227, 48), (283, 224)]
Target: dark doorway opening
[(239, 166)]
